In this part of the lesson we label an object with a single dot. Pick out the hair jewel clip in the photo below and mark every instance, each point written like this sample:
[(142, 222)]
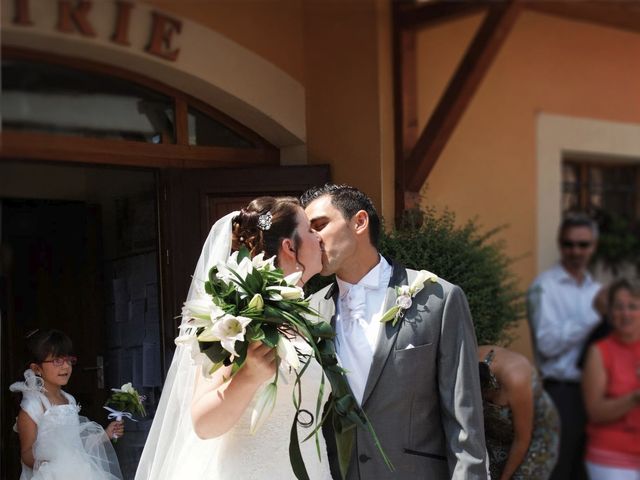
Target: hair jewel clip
[(264, 221)]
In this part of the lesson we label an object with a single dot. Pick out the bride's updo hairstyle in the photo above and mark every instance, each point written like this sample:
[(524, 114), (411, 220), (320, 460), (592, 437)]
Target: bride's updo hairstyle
[(264, 223)]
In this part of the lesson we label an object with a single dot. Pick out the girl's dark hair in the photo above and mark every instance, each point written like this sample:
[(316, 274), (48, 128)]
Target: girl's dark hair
[(42, 343), (247, 233)]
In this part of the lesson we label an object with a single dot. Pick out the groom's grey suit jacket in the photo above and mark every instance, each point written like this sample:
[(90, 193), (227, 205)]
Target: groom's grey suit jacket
[(422, 394)]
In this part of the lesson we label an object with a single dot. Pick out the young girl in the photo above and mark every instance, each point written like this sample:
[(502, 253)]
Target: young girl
[(55, 442)]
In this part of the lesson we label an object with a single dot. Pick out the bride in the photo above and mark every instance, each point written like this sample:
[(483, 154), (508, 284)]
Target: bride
[(201, 428)]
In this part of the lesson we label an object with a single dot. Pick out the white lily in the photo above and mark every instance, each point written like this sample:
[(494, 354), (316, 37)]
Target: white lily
[(200, 307), (260, 263), (263, 406), (190, 341), (287, 352), (242, 269), (405, 295), (422, 277), (227, 330), (127, 388), (257, 302), (287, 293), (293, 278)]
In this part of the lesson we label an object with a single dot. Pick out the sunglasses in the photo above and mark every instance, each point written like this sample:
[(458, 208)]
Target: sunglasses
[(570, 244), (59, 361)]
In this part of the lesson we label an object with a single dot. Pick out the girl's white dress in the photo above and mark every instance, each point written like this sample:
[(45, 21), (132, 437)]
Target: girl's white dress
[(68, 446)]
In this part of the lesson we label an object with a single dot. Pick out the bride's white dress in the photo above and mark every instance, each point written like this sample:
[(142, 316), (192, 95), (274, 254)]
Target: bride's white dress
[(265, 455), (238, 455), (174, 452)]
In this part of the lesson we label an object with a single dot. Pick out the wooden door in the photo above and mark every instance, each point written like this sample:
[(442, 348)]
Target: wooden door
[(50, 272), (194, 199)]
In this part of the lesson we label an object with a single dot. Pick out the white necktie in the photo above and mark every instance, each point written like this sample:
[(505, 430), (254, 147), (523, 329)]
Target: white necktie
[(357, 304)]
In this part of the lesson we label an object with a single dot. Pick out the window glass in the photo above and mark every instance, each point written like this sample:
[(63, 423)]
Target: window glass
[(205, 131), (62, 100), (601, 187)]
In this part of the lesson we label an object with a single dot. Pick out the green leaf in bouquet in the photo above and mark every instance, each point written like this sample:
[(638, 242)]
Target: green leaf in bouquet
[(271, 336), (213, 272), (253, 283), (241, 350), (321, 330), (243, 253), (295, 456), (254, 333), (284, 305), (251, 313), (214, 351), (272, 314)]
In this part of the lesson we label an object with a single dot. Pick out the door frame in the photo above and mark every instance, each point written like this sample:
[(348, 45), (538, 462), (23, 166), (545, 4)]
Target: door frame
[(186, 221)]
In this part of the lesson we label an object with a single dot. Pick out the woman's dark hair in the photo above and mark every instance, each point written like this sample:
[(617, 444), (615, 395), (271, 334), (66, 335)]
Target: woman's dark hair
[(42, 343), (349, 200), (487, 379), (247, 233)]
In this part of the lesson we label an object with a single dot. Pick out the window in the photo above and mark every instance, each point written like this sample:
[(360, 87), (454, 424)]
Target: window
[(50, 98), (610, 188), (204, 130), (58, 99)]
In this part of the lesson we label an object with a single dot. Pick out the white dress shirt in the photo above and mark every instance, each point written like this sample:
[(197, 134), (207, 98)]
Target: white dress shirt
[(562, 317), (358, 323)]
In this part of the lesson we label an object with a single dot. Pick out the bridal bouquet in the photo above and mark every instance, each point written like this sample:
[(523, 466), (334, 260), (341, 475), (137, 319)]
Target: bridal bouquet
[(124, 402), (248, 300)]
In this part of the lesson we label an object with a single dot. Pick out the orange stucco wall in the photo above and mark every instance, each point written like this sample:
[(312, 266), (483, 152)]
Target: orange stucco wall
[(548, 64), (349, 118), (270, 28), (340, 52)]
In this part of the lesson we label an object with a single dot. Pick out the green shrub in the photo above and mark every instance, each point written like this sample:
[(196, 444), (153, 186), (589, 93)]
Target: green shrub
[(619, 242), (462, 255), (467, 257)]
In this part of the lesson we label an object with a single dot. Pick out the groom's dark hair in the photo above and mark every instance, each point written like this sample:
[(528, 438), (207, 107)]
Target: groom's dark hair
[(349, 200)]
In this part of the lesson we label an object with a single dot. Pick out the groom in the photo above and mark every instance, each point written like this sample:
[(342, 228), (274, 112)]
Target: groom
[(417, 381)]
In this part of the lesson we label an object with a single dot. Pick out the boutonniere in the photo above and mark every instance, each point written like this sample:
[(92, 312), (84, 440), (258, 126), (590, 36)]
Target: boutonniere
[(405, 294)]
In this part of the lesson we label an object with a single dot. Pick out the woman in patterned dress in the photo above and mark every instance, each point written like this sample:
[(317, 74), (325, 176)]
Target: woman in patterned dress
[(521, 423)]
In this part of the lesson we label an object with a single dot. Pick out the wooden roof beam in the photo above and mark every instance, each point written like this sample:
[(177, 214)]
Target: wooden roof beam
[(470, 73), (420, 15)]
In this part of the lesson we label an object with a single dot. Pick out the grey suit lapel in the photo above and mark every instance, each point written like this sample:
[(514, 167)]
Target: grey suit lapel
[(388, 332)]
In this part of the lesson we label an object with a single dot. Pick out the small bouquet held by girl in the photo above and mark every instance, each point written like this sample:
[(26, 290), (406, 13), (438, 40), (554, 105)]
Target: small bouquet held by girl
[(248, 300), (124, 402)]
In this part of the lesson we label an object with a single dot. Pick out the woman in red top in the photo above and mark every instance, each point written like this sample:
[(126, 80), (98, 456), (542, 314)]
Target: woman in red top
[(611, 387)]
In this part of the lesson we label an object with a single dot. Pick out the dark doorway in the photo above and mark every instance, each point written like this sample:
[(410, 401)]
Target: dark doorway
[(79, 252)]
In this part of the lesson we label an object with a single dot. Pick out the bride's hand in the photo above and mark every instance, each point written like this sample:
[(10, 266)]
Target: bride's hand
[(260, 364)]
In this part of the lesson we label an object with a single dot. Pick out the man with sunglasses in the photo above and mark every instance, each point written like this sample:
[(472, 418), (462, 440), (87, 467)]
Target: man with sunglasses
[(561, 317)]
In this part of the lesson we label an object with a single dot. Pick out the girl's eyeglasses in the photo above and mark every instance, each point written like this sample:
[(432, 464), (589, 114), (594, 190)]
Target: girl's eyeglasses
[(59, 361)]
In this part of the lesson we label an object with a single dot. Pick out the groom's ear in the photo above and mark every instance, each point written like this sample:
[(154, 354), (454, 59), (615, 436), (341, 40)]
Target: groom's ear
[(361, 222)]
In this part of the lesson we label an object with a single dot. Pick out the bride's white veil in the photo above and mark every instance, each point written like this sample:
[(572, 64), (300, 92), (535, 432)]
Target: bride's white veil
[(172, 450)]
